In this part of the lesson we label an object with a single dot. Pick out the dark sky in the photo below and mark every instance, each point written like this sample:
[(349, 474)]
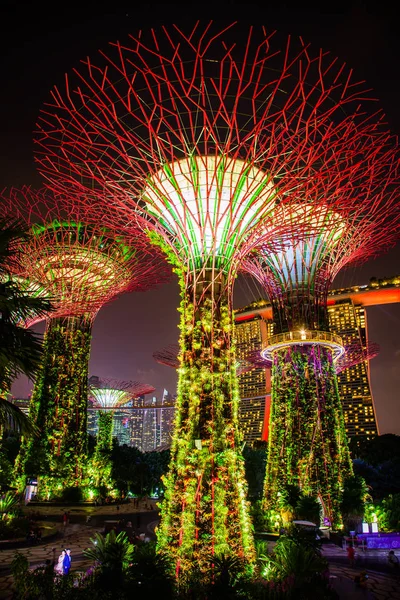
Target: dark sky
[(38, 45)]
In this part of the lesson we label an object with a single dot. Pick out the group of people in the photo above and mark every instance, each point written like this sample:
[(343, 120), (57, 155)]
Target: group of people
[(63, 565)]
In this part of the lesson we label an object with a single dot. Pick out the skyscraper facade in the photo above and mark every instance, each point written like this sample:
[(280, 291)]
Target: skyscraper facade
[(152, 423), (350, 322), (254, 385), (348, 318)]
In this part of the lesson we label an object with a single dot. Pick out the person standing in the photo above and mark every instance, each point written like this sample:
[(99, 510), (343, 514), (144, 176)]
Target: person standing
[(351, 555), (67, 561), (59, 566)]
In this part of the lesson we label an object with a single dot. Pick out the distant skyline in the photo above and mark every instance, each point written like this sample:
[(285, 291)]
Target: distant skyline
[(37, 47)]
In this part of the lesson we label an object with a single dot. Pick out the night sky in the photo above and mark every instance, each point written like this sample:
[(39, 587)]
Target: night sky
[(38, 46)]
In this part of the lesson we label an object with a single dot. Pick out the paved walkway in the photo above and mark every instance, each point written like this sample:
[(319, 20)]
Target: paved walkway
[(76, 536), (380, 586)]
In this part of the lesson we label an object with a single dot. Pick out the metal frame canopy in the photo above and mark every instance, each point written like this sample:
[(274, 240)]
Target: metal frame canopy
[(80, 266), (112, 393), (201, 135)]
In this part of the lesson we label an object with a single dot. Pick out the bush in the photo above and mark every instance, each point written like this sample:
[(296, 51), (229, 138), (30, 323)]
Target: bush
[(297, 567), (72, 494), (16, 528)]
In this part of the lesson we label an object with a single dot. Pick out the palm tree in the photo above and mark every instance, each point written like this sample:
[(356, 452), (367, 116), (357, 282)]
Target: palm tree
[(20, 349), (112, 553), (355, 494)]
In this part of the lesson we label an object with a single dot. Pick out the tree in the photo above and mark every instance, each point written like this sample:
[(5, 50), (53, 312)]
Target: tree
[(112, 554), (377, 450), (20, 349), (254, 462)]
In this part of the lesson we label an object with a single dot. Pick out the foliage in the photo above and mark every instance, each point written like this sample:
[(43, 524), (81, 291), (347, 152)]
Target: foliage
[(377, 450), (355, 494), (307, 438), (299, 565), (254, 463), (10, 445), (20, 571), (386, 512), (293, 504), (100, 465), (138, 472), (43, 583), (205, 508), (9, 504), (73, 494), (289, 498), (59, 409), (112, 555), (6, 471), (15, 528), (264, 520), (308, 508), (382, 479), (20, 348), (150, 573), (225, 577)]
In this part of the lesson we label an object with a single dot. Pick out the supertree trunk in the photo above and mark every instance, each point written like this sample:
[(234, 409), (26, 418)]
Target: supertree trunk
[(205, 511), (105, 428), (59, 407), (307, 439), (101, 464)]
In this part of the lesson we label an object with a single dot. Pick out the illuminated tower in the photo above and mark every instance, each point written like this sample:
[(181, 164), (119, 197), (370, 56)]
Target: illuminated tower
[(81, 267), (108, 395), (199, 136), (307, 437), (347, 318)]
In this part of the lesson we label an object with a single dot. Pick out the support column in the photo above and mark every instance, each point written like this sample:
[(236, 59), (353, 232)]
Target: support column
[(205, 510), (59, 408)]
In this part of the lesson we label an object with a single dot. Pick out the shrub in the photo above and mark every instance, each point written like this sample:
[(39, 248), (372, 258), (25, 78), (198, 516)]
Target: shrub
[(72, 494)]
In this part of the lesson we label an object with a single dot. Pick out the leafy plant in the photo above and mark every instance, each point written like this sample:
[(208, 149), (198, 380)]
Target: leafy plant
[(308, 509), (112, 555), (72, 493), (9, 503), (150, 572), (300, 566)]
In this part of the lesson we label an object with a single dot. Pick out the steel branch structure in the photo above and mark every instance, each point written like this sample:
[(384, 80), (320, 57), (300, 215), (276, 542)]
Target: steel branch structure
[(200, 138), (80, 267), (355, 354), (108, 395)]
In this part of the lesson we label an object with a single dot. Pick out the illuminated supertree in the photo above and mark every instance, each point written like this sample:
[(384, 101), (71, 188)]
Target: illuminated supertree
[(80, 267), (307, 438), (354, 354), (200, 136), (108, 395)]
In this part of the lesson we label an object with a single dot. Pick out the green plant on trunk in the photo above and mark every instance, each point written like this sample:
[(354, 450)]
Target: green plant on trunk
[(59, 409), (307, 441), (205, 509)]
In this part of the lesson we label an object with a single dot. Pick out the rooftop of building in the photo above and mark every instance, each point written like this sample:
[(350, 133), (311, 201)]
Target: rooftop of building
[(377, 291)]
